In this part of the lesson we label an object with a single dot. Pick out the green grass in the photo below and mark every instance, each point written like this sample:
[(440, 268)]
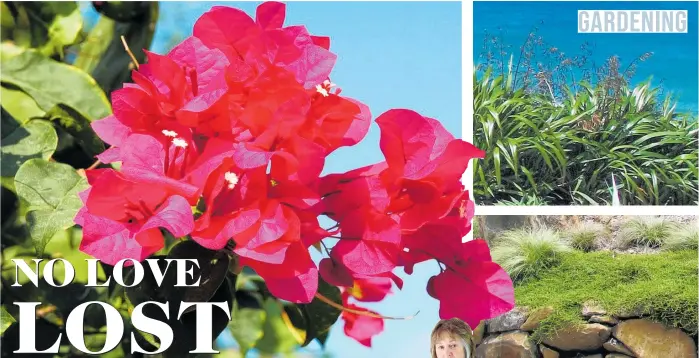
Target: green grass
[(524, 253), (662, 286), (585, 236), (651, 232)]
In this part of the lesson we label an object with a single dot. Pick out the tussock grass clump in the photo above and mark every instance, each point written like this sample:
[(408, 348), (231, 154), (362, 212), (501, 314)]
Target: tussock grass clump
[(687, 238), (662, 287), (476, 228), (585, 236), (526, 253), (650, 232)]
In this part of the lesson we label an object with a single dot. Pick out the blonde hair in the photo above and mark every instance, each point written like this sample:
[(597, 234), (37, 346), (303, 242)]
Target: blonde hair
[(456, 328)]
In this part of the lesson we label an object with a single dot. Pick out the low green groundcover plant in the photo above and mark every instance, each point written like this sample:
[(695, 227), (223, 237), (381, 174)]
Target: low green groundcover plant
[(662, 287)]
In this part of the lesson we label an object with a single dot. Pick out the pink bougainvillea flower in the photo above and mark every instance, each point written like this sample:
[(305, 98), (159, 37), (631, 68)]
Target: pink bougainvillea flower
[(362, 288), (121, 217), (266, 43), (447, 233), (361, 327), (335, 273), (271, 15), (171, 95), (183, 90), (238, 158), (234, 184), (295, 279), (334, 121), (275, 106), (268, 239), (485, 294), (168, 157), (374, 288), (473, 287), (172, 162), (114, 132), (298, 160), (425, 165), (204, 67), (225, 138), (370, 244), (356, 189), (311, 231)]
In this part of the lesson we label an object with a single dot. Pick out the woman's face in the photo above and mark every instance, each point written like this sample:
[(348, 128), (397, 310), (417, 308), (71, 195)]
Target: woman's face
[(449, 347)]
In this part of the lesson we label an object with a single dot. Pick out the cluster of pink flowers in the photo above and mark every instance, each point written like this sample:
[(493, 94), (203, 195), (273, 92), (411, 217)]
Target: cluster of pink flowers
[(225, 138)]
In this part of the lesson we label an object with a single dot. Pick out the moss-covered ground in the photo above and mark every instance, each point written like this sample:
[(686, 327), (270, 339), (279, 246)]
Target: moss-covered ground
[(661, 286)]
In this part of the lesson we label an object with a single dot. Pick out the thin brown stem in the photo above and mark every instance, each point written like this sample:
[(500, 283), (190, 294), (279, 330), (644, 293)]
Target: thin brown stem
[(94, 165), (358, 312), (126, 47), (327, 251)]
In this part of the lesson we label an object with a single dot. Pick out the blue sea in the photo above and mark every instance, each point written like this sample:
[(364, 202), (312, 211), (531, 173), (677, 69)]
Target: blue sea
[(674, 60)]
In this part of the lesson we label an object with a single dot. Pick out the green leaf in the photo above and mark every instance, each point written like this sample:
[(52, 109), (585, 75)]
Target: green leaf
[(47, 26), (8, 51), (20, 143), (114, 65), (6, 320), (6, 19), (277, 337), (323, 338), (184, 329), (18, 27), (211, 273), (46, 81), (95, 45), (79, 127), (66, 245), (65, 27), (46, 334), (123, 11), (96, 341), (213, 267), (318, 315), (19, 104), (247, 321), (51, 190)]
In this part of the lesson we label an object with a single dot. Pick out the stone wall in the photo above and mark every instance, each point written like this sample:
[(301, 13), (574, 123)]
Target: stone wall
[(602, 336)]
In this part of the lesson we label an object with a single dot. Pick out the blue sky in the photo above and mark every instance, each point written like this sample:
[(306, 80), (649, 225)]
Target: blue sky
[(675, 55), (390, 55)]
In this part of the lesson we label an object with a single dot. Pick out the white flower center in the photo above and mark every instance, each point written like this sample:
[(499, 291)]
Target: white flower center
[(179, 142), (168, 133), (324, 88), (232, 179)]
